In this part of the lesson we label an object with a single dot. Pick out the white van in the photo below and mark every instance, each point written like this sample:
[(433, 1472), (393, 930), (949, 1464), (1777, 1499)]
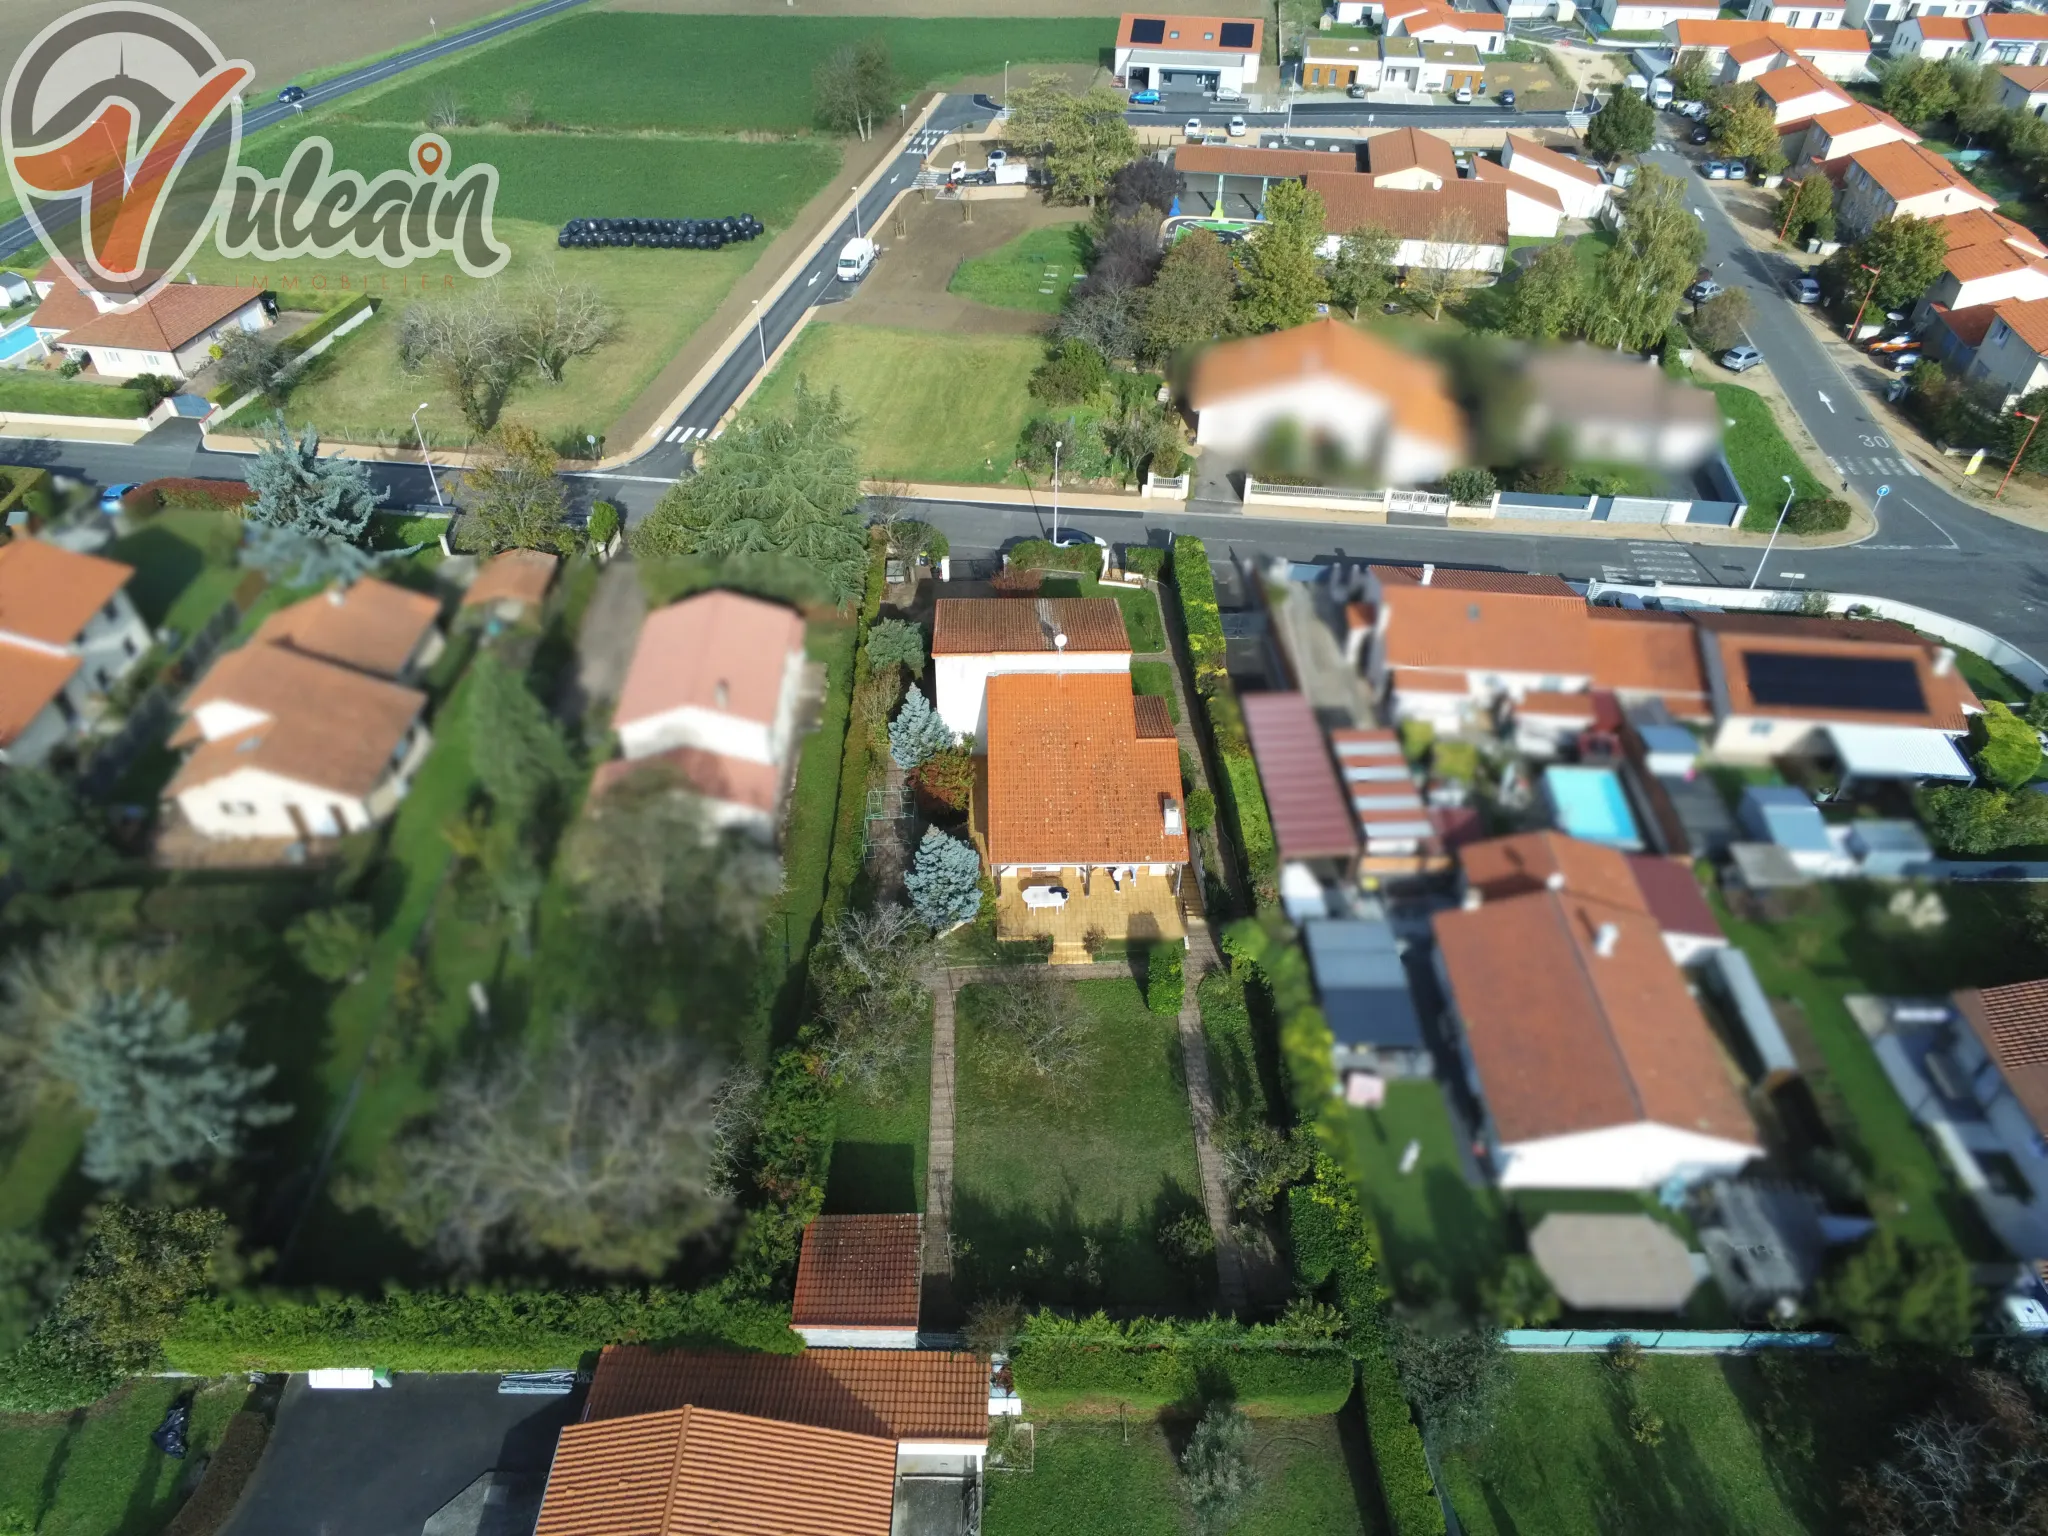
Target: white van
[(1661, 93), (855, 257), (1638, 84)]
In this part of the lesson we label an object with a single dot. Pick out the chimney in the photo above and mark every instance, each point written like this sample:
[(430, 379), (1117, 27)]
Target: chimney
[(1171, 807), (1554, 881), (1428, 572), (1605, 939), (336, 595), (1944, 661), (1474, 899), (721, 693)]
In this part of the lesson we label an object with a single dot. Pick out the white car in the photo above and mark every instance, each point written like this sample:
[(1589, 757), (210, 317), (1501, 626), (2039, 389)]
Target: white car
[(1237, 127), (1194, 128), (1464, 96), (959, 169), (996, 157)]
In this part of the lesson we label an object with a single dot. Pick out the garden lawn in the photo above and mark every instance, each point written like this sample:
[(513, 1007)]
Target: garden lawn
[(1034, 271), (879, 1141), (1147, 631), (184, 566), (356, 390), (1430, 1219), (633, 70), (1759, 454), (932, 407), (1154, 679), (1086, 1481), (1111, 1161), (95, 1473)]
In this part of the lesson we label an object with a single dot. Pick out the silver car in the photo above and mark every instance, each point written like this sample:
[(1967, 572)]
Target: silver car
[(1741, 359)]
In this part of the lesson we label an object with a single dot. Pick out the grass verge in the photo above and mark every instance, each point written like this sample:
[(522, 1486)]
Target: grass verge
[(1033, 271), (1759, 455)]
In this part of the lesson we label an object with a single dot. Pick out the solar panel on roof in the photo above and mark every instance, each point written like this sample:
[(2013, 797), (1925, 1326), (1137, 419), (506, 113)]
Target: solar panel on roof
[(1237, 34), (1148, 30), (1889, 684)]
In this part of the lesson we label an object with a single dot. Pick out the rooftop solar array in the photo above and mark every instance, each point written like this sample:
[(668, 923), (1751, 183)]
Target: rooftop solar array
[(1237, 34), (1888, 684), (1148, 30)]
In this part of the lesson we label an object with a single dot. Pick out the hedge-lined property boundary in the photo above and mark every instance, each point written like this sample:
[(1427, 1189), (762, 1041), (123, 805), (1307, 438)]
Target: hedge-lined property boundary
[(849, 845), (228, 1471), (1097, 1363)]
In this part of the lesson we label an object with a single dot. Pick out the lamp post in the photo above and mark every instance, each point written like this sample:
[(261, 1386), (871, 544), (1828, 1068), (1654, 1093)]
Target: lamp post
[(1857, 324), (428, 458), (1057, 445), (1766, 560), (760, 330), (2015, 464)]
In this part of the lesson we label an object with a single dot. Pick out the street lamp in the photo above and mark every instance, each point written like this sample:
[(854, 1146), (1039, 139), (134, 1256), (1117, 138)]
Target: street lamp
[(760, 330), (1857, 324), (1056, 493), (426, 456), (2015, 464), (1766, 560)]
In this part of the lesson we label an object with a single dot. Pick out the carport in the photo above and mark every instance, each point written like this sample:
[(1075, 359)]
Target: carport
[(1896, 752)]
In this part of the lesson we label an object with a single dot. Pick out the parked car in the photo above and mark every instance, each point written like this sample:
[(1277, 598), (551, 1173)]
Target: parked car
[(1072, 538), (1463, 96), (1194, 128), (1701, 133), (1229, 99), (1741, 359), (1703, 290), (996, 157), (1144, 98), (110, 498), (291, 94), (1355, 92), (1804, 290), (1901, 362), (1237, 127), (1738, 170), (1715, 170), (1886, 345), (1506, 98)]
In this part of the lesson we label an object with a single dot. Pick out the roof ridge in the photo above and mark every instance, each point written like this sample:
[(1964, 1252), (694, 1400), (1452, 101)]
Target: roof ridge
[(669, 1511), (1621, 1056)]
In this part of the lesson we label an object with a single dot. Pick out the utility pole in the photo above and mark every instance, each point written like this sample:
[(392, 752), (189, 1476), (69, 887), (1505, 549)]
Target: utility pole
[(2016, 458)]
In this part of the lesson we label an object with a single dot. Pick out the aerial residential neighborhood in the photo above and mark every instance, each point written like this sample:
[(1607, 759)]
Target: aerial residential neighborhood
[(1279, 771)]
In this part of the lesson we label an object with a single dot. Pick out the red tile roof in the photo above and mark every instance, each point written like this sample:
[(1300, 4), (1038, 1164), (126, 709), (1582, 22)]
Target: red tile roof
[(1517, 185), (517, 576), (2031, 78), (29, 680), (1310, 817), (1413, 387), (1231, 160), (1007, 626), (1404, 149), (2012, 26), (48, 594), (1906, 170), (1502, 867), (175, 316), (2012, 1025), (1448, 628), (717, 651), (1353, 202), (1673, 895), (1453, 579), (699, 1472), (1640, 651), (896, 1394), (372, 626), (1798, 79), (1550, 159), (860, 1272), (1945, 29), (1968, 325), (715, 776), (1191, 34), (2028, 320)]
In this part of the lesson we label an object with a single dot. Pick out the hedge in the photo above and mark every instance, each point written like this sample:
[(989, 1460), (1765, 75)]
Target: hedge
[(327, 324), (228, 1471), (1042, 555), (1066, 1377), (1164, 990), (1268, 943), (28, 488), (226, 495), (849, 846), (1200, 616), (1144, 560), (461, 1330), (37, 392)]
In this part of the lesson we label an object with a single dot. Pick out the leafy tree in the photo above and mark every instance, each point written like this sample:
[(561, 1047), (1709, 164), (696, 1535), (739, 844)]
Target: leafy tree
[(1748, 130), (1691, 79), (944, 881), (1282, 285), (514, 499), (2005, 748), (1142, 430), (556, 319), (1073, 372), (1471, 484), (1259, 1161), (251, 363), (1362, 273), (1144, 184), (1451, 251), (1193, 298), (1455, 1380), (1656, 251), (1723, 320), (855, 87), (43, 987), (516, 747), (50, 840), (896, 643), (2013, 432), (1549, 299), (1976, 1462), (1083, 137), (1907, 253), (784, 485), (332, 943), (309, 559), (1806, 208), (1890, 1290), (597, 1148), (1124, 254), (602, 526), (917, 731), (1916, 91), (946, 778), (1966, 820), (296, 489), (1626, 125), (471, 346), (30, 1277), (1217, 1464), (1519, 1295), (160, 1095)]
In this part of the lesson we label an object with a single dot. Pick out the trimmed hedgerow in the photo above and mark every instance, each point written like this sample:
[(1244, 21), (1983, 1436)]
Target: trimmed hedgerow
[(1163, 984), (849, 847), (1200, 616), (1144, 560), (1043, 555), (1065, 1364)]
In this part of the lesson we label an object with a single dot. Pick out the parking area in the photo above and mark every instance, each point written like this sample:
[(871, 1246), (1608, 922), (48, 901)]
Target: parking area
[(381, 1463)]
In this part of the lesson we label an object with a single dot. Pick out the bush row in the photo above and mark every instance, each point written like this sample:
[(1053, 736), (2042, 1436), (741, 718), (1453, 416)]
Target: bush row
[(1041, 555), (848, 845), (327, 324), (1268, 943), (461, 1330), (1067, 1375), (228, 1471), (184, 492), (1164, 990)]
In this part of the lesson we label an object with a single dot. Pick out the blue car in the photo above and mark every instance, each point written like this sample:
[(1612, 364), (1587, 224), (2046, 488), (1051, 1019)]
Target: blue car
[(1144, 98), (292, 93), (110, 498)]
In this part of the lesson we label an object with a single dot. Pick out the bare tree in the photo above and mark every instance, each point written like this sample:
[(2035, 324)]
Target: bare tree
[(556, 319), (251, 363), (1451, 251), (1977, 1463), (735, 1117), (869, 978), (445, 109), (1032, 1032), (471, 345)]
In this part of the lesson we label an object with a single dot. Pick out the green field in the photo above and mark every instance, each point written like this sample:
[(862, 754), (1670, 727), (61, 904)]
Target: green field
[(94, 1473), (932, 407), (611, 69), (1109, 1162), (1034, 271), (41, 392), (184, 566), (1759, 454), (1100, 1480), (357, 392)]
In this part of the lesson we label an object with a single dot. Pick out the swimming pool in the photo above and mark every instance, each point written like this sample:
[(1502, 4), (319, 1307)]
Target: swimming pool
[(1590, 803)]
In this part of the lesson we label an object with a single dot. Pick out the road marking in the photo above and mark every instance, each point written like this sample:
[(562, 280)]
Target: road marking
[(674, 436), (1824, 400), (1946, 535), (813, 278), (718, 434)]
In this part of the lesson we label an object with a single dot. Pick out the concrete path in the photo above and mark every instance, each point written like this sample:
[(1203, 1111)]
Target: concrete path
[(604, 645), (938, 1187)]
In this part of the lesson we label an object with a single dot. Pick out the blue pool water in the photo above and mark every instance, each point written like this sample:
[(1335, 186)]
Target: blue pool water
[(1590, 803)]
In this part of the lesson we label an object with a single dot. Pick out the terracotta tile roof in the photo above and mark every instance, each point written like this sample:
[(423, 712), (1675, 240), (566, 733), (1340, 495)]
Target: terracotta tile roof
[(517, 576), (1430, 680), (2028, 320), (1442, 627), (1800, 41), (736, 780), (373, 626), (1970, 263), (1856, 115), (1987, 226), (717, 651), (1310, 817), (1008, 626), (2012, 1024), (1518, 186), (1070, 781), (1968, 325), (1713, 33), (1230, 160), (1154, 719), (1569, 706), (1351, 202), (1798, 79), (860, 1272), (1434, 16), (1811, 40), (1945, 700), (699, 1472), (66, 307), (167, 322), (1672, 895), (2031, 78), (2012, 26), (1945, 29), (1452, 579), (1190, 34), (1404, 149), (1414, 387), (1637, 651), (29, 680), (1754, 49), (1566, 1039), (48, 594), (895, 1394), (1911, 170), (328, 727), (1501, 867)]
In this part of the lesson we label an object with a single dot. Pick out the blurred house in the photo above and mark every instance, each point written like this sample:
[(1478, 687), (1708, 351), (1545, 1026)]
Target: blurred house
[(1535, 209), (1312, 824), (1361, 980), (2008, 37), (1799, 13), (1648, 15), (1606, 409), (68, 633), (2013, 357), (512, 585), (1360, 397), (2023, 88), (1397, 832), (1461, 226), (1930, 37)]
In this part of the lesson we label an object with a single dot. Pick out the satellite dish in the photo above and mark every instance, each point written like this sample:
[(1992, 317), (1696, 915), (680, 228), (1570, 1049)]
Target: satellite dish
[(1059, 642)]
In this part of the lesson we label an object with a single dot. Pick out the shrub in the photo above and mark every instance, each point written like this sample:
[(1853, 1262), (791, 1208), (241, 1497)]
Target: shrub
[(848, 846), (1817, 514), (1188, 1240), (1169, 462), (603, 525), (1196, 584), (1457, 760), (2006, 749), (1144, 560), (1043, 555), (1073, 371), (231, 495), (1201, 810), (1471, 484), (1163, 978), (946, 778)]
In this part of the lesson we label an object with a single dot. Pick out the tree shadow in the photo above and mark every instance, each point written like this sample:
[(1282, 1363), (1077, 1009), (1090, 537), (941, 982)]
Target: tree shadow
[(1042, 1254), (872, 1178)]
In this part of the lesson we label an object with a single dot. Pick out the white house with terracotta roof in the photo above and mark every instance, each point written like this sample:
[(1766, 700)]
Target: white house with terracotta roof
[(512, 585), (1367, 399), (1610, 411), (1901, 178), (1834, 135), (1796, 93), (1461, 226), (1410, 159), (170, 335), (309, 730), (711, 694), (1649, 15), (1931, 37), (975, 639), (1535, 209), (1582, 190), (1742, 50), (1800, 13), (2009, 37), (2013, 357), (68, 633), (1594, 1067), (1990, 260), (2024, 88), (1429, 21), (1188, 53)]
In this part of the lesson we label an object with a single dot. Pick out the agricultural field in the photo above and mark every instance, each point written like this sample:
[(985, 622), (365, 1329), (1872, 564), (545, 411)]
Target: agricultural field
[(716, 74), (1035, 271), (932, 407), (357, 392)]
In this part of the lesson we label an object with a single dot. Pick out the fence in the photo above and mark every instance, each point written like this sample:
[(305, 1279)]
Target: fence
[(1690, 1341)]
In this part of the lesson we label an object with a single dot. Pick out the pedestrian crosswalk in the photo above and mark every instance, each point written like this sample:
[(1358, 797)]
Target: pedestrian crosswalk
[(686, 434), (925, 140), (1874, 468), (1649, 560)]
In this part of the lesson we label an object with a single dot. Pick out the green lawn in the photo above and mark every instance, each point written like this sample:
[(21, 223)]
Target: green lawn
[(43, 392), (628, 70), (1431, 1220), (184, 566), (1154, 679), (1142, 623), (357, 392), (1034, 271), (1759, 454), (1101, 1480), (94, 1473), (1110, 1162), (879, 1141), (932, 407)]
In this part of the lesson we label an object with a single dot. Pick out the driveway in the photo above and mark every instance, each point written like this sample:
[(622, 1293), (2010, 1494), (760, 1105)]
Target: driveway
[(380, 1463)]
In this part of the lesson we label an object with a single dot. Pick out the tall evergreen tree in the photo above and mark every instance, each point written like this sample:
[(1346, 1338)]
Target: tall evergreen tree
[(917, 732), (944, 881), (517, 749), (297, 489), (1282, 285)]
